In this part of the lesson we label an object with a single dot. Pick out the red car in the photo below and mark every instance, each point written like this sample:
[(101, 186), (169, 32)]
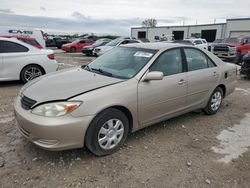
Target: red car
[(77, 45), (28, 40), (233, 48)]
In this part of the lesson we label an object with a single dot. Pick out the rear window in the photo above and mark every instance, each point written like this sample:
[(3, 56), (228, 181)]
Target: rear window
[(11, 47)]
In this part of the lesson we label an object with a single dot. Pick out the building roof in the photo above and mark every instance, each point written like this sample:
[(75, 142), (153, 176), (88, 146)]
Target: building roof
[(179, 26), (237, 19)]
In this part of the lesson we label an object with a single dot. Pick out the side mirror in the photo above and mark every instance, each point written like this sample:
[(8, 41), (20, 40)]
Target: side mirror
[(155, 75)]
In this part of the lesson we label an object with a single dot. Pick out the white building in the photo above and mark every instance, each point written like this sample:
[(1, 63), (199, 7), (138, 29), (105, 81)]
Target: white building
[(232, 27)]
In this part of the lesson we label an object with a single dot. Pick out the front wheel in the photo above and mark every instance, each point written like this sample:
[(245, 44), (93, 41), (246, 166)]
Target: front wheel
[(30, 72), (107, 132), (214, 102)]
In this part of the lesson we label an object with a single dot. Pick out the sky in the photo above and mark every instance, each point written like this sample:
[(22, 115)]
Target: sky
[(115, 16)]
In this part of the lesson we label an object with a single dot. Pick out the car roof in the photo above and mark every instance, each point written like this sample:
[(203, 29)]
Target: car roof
[(10, 39), (155, 45), (19, 37)]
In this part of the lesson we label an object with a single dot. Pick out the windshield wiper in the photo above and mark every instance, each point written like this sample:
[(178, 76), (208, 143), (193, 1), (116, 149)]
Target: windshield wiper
[(102, 71), (86, 67)]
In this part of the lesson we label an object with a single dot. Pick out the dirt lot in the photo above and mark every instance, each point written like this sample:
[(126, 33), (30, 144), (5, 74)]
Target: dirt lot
[(193, 150)]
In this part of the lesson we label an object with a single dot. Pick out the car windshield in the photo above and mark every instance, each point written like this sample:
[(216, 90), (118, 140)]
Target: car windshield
[(121, 62), (114, 42), (232, 40)]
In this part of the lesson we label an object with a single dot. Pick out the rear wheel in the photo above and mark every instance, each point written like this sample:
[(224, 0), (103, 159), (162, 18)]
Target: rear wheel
[(30, 72), (107, 132), (214, 102)]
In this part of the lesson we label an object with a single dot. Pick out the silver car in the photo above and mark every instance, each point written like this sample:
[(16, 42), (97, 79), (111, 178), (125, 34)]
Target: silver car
[(124, 90)]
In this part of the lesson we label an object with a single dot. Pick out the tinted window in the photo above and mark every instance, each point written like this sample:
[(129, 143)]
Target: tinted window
[(133, 41), (197, 42), (125, 42), (170, 62), (82, 42), (197, 60), (11, 47), (204, 41)]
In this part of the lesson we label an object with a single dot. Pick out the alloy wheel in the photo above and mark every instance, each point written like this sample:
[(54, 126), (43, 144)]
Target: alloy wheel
[(31, 73)]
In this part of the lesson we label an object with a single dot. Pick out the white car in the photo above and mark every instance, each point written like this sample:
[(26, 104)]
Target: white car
[(116, 42), (21, 61), (200, 43)]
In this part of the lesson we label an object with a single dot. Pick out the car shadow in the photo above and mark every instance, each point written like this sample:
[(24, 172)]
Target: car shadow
[(10, 83)]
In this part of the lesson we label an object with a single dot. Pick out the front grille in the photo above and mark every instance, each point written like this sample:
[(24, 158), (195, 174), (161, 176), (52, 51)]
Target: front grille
[(27, 103), (221, 49)]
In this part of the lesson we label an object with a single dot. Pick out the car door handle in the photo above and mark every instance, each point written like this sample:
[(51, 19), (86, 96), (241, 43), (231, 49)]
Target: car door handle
[(182, 81)]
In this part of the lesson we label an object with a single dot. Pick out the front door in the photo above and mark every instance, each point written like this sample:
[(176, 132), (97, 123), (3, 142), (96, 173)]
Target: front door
[(158, 99)]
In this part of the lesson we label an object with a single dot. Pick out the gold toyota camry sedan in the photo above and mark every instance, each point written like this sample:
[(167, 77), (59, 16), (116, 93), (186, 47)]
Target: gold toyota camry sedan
[(126, 89)]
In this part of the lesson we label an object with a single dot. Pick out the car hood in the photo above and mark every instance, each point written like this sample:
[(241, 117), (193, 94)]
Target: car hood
[(65, 84)]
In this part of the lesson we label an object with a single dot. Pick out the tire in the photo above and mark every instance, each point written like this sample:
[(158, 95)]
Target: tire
[(73, 50), (30, 72), (102, 133), (214, 102)]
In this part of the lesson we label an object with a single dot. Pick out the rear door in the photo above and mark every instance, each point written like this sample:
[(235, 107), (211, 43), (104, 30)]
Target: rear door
[(159, 99), (202, 76), (13, 56)]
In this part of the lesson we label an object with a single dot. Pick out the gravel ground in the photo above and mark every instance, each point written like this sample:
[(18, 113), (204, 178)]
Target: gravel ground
[(193, 150)]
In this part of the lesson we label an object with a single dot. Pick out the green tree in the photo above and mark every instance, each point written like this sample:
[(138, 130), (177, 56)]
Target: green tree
[(151, 22)]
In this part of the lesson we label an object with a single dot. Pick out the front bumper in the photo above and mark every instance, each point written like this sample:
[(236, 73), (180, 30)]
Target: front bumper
[(87, 52), (52, 133)]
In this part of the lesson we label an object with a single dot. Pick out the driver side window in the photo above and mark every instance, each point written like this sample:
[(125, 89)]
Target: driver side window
[(169, 62)]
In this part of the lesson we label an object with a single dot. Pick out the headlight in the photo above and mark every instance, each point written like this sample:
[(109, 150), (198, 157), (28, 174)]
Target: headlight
[(56, 109)]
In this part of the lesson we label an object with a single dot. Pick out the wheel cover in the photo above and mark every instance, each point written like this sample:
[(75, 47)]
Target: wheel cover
[(110, 134), (216, 101), (31, 73)]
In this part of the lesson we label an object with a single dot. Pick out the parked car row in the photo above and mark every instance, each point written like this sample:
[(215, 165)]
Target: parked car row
[(90, 47)]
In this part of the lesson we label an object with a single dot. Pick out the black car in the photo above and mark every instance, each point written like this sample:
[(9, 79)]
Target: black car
[(56, 42), (88, 50), (245, 67)]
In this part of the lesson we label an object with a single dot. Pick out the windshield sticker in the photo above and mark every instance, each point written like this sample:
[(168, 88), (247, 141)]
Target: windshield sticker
[(143, 54)]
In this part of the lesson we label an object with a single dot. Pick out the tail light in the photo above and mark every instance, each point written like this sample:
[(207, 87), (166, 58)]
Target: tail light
[(51, 56)]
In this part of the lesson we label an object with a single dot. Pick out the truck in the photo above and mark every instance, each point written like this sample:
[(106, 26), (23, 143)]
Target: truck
[(23, 32), (232, 49)]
